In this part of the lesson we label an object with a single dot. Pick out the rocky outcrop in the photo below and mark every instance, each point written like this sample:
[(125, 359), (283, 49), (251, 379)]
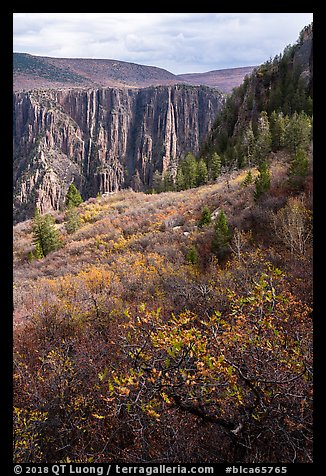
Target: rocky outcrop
[(100, 139), (303, 58)]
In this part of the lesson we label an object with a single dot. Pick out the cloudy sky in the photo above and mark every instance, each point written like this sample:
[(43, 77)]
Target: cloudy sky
[(178, 42)]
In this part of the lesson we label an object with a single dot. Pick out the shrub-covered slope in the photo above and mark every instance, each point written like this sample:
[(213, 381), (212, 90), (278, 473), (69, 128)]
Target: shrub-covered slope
[(283, 84), (138, 330)]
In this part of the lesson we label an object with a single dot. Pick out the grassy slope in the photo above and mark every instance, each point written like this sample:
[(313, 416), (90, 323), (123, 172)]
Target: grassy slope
[(124, 221), (80, 310), (129, 222)]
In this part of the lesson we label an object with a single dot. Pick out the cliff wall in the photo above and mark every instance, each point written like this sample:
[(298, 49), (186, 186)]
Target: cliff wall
[(102, 138)]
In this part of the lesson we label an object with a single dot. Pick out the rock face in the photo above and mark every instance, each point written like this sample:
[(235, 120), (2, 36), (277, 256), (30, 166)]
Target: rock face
[(101, 139), (303, 58)]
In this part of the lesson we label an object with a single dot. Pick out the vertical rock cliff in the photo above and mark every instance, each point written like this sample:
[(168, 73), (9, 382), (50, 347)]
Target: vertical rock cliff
[(102, 138)]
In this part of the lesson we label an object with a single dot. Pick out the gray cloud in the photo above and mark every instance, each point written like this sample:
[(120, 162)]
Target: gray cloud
[(179, 42)]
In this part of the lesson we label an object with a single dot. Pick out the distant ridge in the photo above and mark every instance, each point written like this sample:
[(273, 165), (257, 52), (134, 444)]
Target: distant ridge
[(35, 72), (224, 79), (45, 72)]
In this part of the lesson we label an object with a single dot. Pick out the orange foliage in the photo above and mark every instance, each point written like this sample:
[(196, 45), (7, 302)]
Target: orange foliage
[(129, 353)]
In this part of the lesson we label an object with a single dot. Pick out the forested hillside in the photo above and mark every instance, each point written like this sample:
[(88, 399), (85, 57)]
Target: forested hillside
[(270, 111), (160, 327), (281, 87)]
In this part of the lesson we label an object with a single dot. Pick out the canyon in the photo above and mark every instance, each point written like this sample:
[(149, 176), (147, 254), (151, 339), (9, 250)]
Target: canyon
[(103, 139), (105, 125)]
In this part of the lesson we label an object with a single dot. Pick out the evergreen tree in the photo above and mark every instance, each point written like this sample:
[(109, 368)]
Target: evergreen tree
[(298, 170), (73, 197), (168, 184), (298, 132), (308, 109), (299, 98), (263, 181), (249, 144), (222, 236), (206, 217), (275, 97), (201, 173), (215, 166), (248, 179), (189, 169), (264, 140), (38, 252), (192, 256), (277, 128), (30, 256), (180, 180), (72, 220), (46, 236), (240, 154)]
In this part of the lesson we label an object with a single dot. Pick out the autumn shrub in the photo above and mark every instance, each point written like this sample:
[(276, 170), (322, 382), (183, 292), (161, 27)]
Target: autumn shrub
[(224, 350), (172, 253), (259, 219), (174, 220), (28, 435), (120, 207), (90, 212), (64, 385), (223, 369), (204, 241), (293, 226), (123, 351), (91, 201)]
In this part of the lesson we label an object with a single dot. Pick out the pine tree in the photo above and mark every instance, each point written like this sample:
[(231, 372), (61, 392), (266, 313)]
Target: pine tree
[(249, 144), (308, 109), (222, 236), (180, 180), (264, 140), (206, 217), (240, 157), (189, 169), (192, 256), (72, 220), (263, 181), (215, 166), (46, 236), (298, 170), (298, 132), (277, 128), (201, 173), (73, 197), (38, 252), (168, 184), (275, 98), (31, 256), (248, 179)]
